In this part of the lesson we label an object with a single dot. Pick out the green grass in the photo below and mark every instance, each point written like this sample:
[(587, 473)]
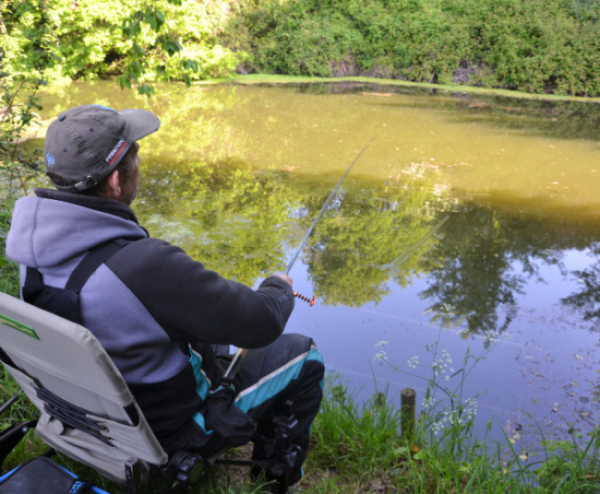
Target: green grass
[(9, 270), (356, 447)]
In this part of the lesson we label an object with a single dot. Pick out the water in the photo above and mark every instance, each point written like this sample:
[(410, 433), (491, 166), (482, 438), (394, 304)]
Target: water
[(471, 221)]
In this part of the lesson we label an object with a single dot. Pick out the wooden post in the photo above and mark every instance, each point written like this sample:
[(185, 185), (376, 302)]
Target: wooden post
[(408, 399)]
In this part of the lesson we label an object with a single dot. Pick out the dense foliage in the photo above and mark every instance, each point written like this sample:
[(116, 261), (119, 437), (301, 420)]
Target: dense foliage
[(136, 40), (531, 45)]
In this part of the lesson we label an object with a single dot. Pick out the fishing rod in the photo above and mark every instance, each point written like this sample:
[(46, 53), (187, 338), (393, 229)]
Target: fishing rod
[(231, 371), (312, 227)]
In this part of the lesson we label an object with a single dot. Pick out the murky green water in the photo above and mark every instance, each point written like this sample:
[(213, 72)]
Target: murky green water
[(236, 175)]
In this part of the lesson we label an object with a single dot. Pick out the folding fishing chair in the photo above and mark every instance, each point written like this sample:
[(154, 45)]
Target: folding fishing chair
[(88, 412)]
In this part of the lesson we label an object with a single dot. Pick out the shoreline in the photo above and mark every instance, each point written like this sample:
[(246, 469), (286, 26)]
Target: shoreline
[(276, 79), (252, 79)]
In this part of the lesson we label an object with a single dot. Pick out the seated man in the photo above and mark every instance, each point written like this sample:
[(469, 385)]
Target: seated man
[(156, 311)]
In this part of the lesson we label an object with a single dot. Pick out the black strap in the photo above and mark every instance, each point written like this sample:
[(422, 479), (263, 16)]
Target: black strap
[(92, 261), (33, 277)]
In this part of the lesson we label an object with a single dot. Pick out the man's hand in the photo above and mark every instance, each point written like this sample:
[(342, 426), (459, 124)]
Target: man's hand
[(285, 278)]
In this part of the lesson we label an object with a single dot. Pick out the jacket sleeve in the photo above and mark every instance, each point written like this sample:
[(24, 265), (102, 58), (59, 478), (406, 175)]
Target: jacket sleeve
[(194, 304)]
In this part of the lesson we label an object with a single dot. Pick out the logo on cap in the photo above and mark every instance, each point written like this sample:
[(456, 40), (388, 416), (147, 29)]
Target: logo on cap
[(50, 159), (112, 156)]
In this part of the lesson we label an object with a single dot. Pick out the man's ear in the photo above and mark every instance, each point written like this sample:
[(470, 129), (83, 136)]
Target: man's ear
[(113, 190)]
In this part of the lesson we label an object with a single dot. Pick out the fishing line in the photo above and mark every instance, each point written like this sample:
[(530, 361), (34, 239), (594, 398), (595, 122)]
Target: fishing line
[(312, 227), (409, 252)]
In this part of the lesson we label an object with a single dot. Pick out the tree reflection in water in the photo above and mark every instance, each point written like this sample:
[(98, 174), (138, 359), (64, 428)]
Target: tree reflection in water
[(361, 233), (243, 223), (470, 273), (587, 300)]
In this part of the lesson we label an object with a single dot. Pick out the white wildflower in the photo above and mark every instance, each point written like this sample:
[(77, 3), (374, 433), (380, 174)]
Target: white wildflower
[(428, 403), (437, 427), (413, 362), (446, 356), (470, 408), (489, 338)]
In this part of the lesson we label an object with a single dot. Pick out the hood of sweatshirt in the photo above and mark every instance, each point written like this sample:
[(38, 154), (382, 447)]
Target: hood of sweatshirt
[(54, 226)]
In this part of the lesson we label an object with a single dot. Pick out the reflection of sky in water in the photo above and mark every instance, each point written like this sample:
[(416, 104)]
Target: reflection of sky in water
[(544, 365), (236, 175)]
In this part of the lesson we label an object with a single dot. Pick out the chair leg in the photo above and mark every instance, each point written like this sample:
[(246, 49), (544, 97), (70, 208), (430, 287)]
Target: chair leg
[(132, 472), (10, 437)]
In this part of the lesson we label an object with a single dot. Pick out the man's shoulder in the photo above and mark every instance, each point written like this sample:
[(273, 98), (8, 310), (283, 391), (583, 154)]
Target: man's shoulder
[(150, 253), (154, 270), (149, 249)]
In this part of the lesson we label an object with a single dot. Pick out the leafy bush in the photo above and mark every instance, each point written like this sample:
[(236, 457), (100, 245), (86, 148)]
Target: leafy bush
[(87, 40), (530, 45)]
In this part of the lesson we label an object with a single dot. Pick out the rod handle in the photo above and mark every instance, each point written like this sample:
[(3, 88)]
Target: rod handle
[(306, 299)]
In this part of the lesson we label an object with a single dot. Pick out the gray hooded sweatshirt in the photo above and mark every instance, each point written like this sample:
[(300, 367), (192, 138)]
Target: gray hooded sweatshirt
[(148, 302)]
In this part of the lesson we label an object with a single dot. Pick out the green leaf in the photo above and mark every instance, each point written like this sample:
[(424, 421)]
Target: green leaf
[(124, 82), (188, 64), (151, 21), (401, 451), (145, 90), (154, 18), (138, 50), (170, 45)]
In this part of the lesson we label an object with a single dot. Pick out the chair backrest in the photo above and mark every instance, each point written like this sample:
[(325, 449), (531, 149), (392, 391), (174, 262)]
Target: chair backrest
[(88, 412)]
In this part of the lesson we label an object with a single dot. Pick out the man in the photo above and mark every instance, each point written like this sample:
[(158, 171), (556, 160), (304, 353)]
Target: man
[(155, 310)]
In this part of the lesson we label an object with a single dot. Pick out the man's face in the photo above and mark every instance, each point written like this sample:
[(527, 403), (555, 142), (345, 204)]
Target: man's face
[(129, 188)]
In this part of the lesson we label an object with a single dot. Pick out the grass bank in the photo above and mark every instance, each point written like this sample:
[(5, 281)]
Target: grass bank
[(356, 447), (256, 79)]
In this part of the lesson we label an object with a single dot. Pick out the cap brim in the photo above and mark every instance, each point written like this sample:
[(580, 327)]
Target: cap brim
[(142, 122)]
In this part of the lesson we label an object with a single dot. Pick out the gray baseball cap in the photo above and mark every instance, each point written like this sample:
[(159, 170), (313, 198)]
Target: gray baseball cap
[(87, 142)]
